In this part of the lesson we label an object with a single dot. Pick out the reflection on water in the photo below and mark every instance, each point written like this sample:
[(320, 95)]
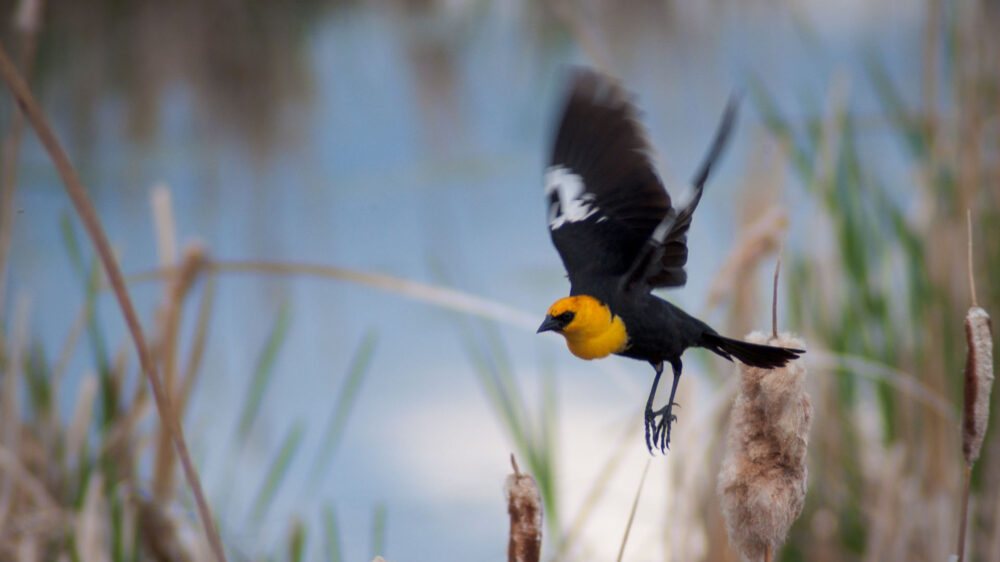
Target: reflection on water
[(401, 137)]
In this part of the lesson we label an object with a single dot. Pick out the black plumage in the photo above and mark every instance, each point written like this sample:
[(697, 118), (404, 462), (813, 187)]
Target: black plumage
[(619, 235)]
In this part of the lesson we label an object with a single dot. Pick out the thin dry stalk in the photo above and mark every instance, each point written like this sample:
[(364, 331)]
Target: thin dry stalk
[(90, 528), (193, 365), (76, 433), (972, 275), (599, 486), (631, 514), (524, 504), (91, 222), (181, 282), (441, 296), (774, 296), (762, 482)]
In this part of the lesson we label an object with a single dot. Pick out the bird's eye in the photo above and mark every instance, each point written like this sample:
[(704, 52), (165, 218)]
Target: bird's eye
[(566, 317)]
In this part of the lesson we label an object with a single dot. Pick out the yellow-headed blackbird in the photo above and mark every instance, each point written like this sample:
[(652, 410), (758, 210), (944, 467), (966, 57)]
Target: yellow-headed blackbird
[(619, 238)]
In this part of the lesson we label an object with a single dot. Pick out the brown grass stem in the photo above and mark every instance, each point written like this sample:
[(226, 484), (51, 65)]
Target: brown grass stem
[(92, 224), (631, 513), (904, 382), (180, 284), (972, 277), (964, 518), (774, 295), (193, 365), (432, 294)]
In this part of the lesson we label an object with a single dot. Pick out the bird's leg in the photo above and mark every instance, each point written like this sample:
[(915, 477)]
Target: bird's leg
[(650, 414), (662, 431)]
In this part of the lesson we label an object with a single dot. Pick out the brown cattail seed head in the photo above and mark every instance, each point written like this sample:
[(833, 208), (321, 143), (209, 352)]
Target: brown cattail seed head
[(762, 482), (524, 503), (978, 382)]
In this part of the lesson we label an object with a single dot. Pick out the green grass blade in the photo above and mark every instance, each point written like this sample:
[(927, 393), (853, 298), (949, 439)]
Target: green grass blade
[(277, 472), (347, 398), (90, 276), (264, 371), (332, 531), (378, 531), (297, 541), (496, 375), (38, 375), (501, 401)]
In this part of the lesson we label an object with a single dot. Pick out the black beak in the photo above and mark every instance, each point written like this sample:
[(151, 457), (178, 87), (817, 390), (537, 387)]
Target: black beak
[(550, 323)]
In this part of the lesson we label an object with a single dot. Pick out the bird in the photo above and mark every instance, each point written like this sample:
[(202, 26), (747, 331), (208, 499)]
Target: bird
[(620, 236)]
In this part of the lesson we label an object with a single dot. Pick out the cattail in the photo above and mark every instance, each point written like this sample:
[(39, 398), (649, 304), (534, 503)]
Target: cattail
[(524, 503), (976, 413), (762, 482), (978, 382)]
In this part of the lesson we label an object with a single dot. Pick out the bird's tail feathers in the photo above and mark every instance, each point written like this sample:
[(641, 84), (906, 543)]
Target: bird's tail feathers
[(755, 355)]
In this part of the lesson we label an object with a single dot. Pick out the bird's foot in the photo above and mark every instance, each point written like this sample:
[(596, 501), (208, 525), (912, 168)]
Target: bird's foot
[(660, 428)]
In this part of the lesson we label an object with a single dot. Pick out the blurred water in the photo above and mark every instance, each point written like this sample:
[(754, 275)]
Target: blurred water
[(413, 145)]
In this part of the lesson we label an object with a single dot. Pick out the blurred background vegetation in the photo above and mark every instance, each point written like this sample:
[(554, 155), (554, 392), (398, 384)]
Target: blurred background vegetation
[(336, 413)]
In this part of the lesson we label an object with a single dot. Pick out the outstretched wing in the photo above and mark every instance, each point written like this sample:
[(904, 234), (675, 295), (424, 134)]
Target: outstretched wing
[(604, 197), (661, 261), (609, 214)]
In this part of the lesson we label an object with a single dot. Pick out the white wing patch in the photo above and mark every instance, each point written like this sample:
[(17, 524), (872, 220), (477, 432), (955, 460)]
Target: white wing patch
[(572, 204)]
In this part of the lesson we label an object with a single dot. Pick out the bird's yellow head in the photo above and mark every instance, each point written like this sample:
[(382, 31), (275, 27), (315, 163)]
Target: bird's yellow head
[(590, 329)]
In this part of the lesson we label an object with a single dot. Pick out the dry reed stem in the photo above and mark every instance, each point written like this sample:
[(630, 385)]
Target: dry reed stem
[(444, 297), (76, 433), (593, 496), (524, 504), (774, 295), (631, 513), (91, 222), (90, 530), (193, 365), (906, 383), (972, 275), (762, 481), (180, 283)]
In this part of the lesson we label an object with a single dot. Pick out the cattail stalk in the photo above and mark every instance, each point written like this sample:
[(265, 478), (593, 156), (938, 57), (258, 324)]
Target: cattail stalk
[(762, 482), (978, 384), (524, 504)]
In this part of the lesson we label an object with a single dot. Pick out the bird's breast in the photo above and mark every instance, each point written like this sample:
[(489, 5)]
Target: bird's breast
[(595, 344)]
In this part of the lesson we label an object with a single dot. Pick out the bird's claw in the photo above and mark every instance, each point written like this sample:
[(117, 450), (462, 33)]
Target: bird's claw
[(661, 428)]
